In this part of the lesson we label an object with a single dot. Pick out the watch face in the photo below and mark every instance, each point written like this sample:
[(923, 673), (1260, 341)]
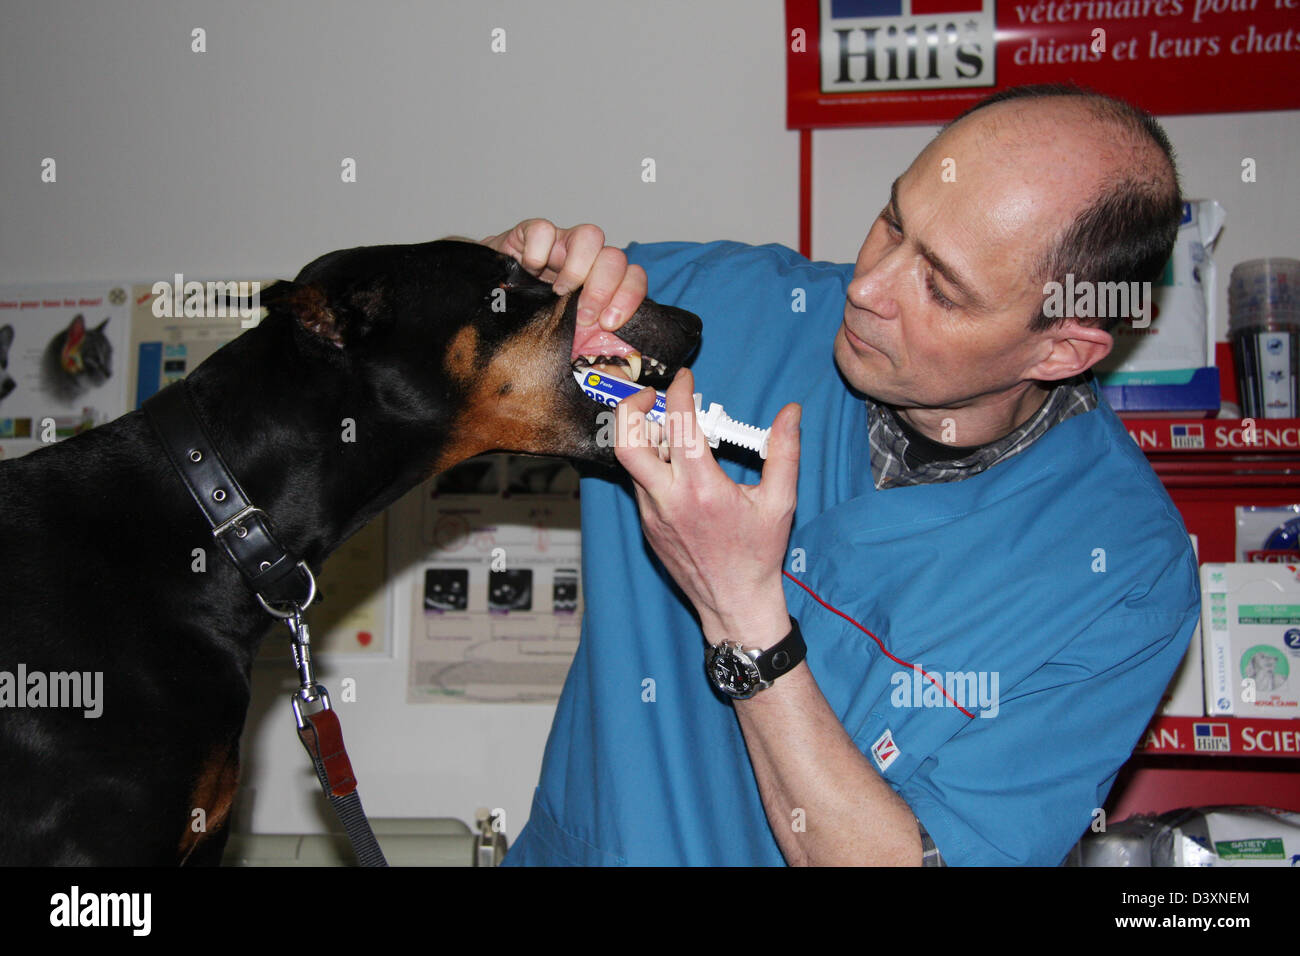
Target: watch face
[(732, 672)]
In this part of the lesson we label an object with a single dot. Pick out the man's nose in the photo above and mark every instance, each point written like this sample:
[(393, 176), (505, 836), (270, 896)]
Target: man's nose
[(876, 289)]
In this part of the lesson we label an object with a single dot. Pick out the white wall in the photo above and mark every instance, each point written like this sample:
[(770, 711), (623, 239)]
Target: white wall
[(227, 164)]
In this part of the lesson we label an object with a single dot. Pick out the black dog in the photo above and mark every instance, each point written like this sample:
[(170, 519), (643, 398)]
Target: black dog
[(434, 352)]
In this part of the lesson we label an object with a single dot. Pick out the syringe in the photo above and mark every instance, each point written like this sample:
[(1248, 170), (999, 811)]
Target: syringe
[(610, 390)]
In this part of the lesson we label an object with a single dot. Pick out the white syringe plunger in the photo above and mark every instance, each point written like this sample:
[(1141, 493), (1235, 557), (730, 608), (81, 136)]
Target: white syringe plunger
[(718, 427)]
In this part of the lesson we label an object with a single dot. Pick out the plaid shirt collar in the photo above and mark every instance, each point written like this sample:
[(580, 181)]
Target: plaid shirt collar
[(891, 468)]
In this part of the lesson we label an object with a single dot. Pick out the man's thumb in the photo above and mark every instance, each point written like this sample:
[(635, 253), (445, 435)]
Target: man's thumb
[(781, 470)]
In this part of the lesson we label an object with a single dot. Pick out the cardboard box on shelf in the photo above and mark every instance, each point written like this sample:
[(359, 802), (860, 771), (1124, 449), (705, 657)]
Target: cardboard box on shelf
[(1250, 626)]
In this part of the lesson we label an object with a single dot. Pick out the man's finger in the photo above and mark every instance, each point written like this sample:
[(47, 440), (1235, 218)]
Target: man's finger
[(692, 460), (780, 481), (536, 239), (633, 447), (612, 291), (574, 255), (510, 242), (628, 298)]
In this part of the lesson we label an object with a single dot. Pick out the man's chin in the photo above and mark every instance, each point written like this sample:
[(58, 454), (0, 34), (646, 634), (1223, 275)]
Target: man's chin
[(852, 365), (873, 379)]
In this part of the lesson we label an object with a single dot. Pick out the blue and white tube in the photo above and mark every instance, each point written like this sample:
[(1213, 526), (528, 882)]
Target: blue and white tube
[(611, 390)]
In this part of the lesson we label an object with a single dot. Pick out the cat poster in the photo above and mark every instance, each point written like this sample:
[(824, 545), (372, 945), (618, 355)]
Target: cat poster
[(61, 351)]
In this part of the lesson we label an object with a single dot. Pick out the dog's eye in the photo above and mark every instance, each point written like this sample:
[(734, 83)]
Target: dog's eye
[(519, 279), (518, 275)]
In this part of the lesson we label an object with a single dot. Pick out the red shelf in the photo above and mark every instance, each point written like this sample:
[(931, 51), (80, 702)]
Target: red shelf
[(1215, 436), (1208, 467), (1222, 737)]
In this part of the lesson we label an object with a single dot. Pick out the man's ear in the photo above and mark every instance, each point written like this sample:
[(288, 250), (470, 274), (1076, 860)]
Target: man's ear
[(1075, 349), (337, 316)]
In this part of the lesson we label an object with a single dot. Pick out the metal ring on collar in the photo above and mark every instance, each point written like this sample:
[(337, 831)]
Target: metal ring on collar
[(295, 608)]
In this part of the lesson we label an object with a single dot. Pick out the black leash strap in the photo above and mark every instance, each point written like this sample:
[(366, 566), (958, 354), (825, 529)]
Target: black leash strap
[(322, 737), (278, 579)]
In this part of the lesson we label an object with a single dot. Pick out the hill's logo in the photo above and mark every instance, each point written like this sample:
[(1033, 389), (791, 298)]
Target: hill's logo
[(869, 45)]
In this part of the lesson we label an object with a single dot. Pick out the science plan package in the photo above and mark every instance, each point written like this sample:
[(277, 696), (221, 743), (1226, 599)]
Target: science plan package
[(1250, 625)]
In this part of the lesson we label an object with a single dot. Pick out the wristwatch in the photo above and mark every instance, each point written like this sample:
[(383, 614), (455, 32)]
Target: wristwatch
[(741, 673)]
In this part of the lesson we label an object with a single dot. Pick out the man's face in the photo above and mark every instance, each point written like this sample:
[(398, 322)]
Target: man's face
[(945, 285)]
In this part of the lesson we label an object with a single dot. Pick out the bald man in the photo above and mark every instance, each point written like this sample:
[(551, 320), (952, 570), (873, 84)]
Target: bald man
[(936, 627)]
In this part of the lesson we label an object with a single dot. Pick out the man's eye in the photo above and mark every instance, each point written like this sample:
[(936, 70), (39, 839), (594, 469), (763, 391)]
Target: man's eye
[(939, 298), (891, 225)]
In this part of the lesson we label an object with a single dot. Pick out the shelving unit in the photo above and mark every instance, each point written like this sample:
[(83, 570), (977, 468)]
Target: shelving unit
[(1222, 737), (1207, 761), (1208, 466)]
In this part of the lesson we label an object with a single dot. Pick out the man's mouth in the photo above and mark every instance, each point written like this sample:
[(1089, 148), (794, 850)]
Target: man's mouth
[(857, 342), (606, 352)]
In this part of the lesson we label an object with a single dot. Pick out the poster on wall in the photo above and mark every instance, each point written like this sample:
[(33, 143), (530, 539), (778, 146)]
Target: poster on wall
[(172, 334), (62, 350), (497, 605), (898, 62)]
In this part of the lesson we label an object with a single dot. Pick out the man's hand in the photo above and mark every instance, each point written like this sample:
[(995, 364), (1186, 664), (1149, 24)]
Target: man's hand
[(723, 543), (568, 258)]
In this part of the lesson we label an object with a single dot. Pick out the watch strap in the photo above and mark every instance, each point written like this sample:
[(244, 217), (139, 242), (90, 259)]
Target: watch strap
[(783, 656)]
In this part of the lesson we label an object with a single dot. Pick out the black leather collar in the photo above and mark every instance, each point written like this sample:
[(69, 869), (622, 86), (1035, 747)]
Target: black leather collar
[(242, 529)]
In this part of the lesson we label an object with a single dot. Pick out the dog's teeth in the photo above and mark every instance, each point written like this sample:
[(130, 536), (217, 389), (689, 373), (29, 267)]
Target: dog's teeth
[(634, 365), (591, 359)]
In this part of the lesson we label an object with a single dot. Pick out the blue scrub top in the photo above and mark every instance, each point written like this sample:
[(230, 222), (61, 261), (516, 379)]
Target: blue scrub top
[(1065, 573)]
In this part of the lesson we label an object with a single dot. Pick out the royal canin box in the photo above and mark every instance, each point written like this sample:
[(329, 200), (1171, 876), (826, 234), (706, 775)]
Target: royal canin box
[(1250, 627)]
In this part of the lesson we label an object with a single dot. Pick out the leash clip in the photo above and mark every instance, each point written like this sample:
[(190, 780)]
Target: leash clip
[(309, 691), (298, 699)]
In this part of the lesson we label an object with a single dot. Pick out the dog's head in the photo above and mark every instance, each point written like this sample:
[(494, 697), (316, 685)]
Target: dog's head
[(465, 339)]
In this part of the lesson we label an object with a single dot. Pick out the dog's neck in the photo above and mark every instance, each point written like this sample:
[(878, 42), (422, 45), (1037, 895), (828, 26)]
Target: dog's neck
[(322, 469)]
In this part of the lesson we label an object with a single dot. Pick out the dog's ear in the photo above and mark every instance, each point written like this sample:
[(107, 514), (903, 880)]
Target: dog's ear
[(308, 306), (337, 317)]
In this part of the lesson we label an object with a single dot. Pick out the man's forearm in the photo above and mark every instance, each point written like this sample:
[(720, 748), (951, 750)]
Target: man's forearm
[(825, 802)]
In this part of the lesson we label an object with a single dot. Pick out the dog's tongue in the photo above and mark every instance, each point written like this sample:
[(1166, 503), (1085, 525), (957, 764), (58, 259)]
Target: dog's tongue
[(593, 340)]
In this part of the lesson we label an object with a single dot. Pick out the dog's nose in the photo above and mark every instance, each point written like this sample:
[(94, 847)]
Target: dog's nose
[(688, 323)]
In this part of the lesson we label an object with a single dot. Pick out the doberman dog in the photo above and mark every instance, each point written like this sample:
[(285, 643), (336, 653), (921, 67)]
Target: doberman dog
[(431, 353)]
